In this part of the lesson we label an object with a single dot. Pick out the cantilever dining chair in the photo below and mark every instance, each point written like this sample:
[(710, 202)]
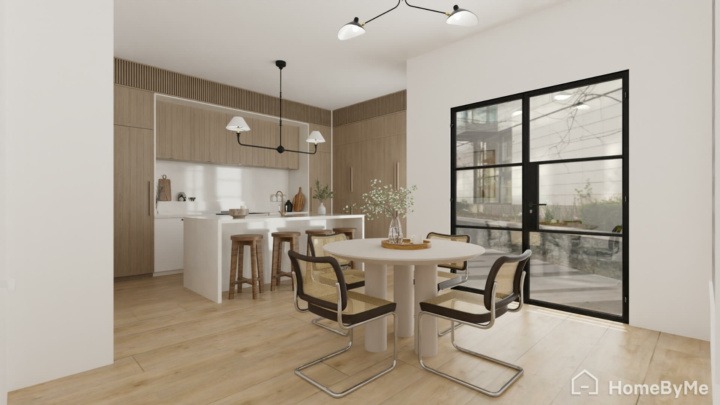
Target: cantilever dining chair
[(349, 309), (354, 278), (450, 279), (480, 309)]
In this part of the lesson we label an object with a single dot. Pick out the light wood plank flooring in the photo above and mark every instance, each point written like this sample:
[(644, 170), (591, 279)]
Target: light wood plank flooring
[(175, 347)]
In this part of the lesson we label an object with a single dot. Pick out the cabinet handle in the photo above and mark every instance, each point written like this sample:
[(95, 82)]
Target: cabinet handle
[(150, 193), (352, 188), (397, 175)]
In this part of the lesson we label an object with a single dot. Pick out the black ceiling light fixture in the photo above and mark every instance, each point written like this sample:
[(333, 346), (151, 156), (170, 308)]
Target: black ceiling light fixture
[(457, 16), (238, 125)]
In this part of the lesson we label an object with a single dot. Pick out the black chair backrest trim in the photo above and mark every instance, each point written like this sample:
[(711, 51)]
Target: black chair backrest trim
[(462, 237), (521, 261), (295, 256)]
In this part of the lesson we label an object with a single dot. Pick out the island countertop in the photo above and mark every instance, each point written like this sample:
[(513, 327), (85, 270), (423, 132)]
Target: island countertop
[(207, 244)]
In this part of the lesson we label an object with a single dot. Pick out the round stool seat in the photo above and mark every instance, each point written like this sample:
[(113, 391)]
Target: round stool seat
[(246, 237), (350, 232), (288, 234), (319, 232)]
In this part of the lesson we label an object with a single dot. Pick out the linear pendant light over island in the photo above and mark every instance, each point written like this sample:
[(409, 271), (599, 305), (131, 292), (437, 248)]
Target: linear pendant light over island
[(238, 125)]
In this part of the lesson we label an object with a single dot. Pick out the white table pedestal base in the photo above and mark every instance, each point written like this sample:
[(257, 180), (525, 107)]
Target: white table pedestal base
[(404, 296), (376, 286)]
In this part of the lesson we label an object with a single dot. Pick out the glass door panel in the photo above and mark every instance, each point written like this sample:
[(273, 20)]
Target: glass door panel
[(580, 196), (489, 135), (496, 243), (576, 123), (489, 197), (579, 271)]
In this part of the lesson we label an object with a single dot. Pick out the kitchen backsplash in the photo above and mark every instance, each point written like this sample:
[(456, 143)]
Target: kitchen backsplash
[(218, 188)]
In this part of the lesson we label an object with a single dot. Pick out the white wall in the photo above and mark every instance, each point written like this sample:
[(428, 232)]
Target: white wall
[(58, 187), (666, 46), (3, 272)]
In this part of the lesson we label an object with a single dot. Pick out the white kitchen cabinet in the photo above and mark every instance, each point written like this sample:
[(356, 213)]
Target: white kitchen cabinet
[(168, 244)]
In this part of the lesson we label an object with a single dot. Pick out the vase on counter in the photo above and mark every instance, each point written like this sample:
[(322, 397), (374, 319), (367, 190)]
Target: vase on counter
[(321, 208), (395, 232)]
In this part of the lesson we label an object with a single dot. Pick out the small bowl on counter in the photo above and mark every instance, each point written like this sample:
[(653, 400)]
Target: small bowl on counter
[(238, 213)]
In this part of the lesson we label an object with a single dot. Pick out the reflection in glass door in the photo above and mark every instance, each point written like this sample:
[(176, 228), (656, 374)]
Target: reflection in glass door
[(547, 170)]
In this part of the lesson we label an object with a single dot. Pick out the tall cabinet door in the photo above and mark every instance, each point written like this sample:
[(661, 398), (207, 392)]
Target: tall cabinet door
[(134, 201)]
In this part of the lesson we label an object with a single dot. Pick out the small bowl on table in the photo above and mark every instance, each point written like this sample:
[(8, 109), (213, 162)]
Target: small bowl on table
[(238, 213)]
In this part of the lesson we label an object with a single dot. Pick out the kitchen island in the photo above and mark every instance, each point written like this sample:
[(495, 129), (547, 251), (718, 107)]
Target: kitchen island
[(207, 245)]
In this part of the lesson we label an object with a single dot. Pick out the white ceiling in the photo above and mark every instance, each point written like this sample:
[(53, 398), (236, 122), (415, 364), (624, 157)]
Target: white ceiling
[(236, 42)]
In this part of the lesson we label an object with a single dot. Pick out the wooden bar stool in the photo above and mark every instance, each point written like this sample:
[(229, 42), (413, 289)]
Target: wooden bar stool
[(254, 242), (278, 239), (349, 232), (312, 232)]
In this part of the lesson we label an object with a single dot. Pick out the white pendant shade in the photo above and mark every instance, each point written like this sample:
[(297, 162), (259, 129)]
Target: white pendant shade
[(462, 18), (351, 30), (237, 124), (315, 137)]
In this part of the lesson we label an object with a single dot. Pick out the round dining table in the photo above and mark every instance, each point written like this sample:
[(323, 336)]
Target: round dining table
[(414, 280)]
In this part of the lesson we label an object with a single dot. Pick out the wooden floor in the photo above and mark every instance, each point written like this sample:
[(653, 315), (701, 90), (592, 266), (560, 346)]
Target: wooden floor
[(175, 347)]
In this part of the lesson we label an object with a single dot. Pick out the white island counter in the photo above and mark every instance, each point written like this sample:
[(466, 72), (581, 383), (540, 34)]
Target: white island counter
[(207, 245)]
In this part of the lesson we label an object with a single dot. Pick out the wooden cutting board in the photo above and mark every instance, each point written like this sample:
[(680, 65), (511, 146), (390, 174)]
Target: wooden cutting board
[(298, 201), (164, 193)]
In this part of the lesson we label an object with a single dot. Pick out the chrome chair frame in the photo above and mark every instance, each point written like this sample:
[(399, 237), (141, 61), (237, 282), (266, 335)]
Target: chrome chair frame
[(349, 333), (518, 370)]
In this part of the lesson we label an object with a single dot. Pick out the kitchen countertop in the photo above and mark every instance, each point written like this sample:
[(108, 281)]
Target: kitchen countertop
[(249, 217), (265, 217)]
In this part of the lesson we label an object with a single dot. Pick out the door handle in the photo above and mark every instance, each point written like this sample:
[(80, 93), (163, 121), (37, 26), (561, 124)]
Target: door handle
[(533, 205), (150, 198)]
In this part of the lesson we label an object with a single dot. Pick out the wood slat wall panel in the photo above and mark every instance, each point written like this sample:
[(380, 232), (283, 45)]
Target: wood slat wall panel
[(376, 107), (133, 74)]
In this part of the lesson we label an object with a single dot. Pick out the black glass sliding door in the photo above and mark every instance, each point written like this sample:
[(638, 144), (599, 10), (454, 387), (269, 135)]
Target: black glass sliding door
[(547, 170)]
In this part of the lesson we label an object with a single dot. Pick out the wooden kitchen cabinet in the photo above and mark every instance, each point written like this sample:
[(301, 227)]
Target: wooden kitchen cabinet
[(193, 134), (134, 107), (134, 201), (365, 150)]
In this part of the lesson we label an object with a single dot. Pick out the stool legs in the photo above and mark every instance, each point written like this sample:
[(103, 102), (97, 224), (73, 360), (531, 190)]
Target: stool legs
[(254, 277), (274, 279), (277, 271), (233, 270), (237, 278), (259, 268)]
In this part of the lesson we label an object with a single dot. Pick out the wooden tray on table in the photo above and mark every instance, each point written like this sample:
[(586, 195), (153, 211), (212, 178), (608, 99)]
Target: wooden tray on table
[(405, 245)]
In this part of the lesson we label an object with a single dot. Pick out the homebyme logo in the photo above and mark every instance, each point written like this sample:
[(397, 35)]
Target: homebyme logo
[(585, 383)]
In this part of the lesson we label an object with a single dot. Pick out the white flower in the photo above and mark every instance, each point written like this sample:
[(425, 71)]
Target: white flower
[(384, 200)]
